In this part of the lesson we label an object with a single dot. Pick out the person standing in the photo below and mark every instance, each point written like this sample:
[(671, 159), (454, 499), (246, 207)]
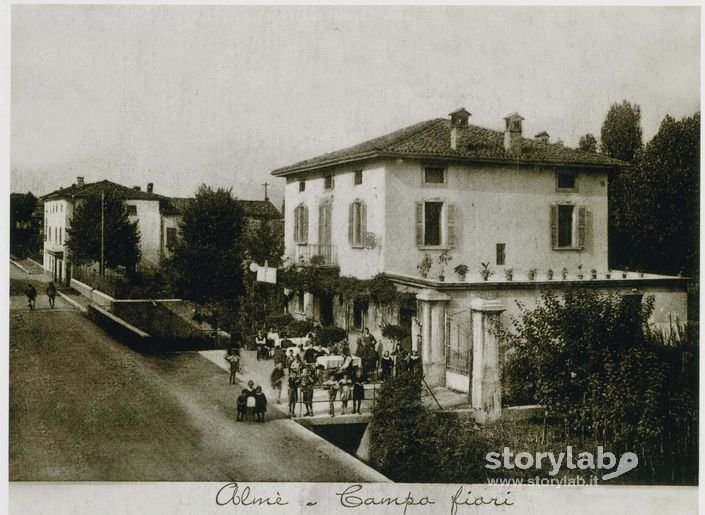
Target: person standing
[(260, 404), (51, 293), (345, 392), (242, 405), (260, 342), (31, 294), (277, 379), (234, 360), (414, 363), (307, 392), (358, 394), (332, 386), (294, 383), (387, 365)]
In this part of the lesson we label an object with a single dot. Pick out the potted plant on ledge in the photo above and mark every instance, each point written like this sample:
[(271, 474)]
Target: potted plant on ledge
[(532, 274), (508, 274), (580, 271), (443, 260), (549, 274), (486, 271), (425, 265), (462, 271), (564, 273)]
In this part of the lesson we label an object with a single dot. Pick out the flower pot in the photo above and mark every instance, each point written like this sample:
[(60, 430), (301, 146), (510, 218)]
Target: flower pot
[(608, 275), (531, 276), (549, 275), (441, 278), (509, 277), (594, 275), (624, 275), (580, 276), (462, 277)]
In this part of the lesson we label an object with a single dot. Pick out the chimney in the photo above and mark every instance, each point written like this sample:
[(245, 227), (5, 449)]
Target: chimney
[(79, 182), (150, 187), (137, 188), (458, 121), (542, 137), (512, 132)]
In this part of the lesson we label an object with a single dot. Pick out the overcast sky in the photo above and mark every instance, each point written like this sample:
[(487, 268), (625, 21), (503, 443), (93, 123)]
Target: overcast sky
[(182, 95)]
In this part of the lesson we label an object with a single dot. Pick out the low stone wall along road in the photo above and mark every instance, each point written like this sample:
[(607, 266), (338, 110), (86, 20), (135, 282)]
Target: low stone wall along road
[(83, 407)]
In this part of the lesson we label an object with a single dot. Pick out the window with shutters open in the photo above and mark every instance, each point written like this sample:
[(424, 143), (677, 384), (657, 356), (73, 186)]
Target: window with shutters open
[(357, 224), (435, 224), (301, 225), (568, 226)]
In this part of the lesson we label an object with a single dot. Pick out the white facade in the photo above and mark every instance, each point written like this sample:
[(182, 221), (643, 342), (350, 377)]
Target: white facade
[(57, 216)]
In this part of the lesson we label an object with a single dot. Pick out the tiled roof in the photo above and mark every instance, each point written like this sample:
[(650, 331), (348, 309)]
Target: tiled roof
[(122, 192), (431, 140), (259, 209)]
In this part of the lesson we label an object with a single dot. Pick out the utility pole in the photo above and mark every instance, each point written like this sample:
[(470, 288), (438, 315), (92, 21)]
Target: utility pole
[(102, 233), (265, 191)]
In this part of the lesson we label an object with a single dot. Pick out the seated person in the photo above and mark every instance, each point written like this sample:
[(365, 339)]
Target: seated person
[(286, 342)]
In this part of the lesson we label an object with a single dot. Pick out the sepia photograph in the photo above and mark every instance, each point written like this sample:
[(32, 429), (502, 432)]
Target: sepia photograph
[(399, 259)]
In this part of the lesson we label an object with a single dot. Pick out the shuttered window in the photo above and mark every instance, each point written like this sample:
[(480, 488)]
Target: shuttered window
[(301, 224), (357, 224), (568, 226), (435, 224)]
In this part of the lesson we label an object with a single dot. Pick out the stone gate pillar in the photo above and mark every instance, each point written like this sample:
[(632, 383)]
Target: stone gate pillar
[(433, 314), (485, 387)]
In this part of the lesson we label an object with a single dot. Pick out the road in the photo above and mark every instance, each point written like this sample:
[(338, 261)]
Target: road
[(83, 407)]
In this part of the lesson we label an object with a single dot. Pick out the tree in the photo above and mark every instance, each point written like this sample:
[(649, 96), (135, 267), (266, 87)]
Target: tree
[(655, 205), (121, 236), (262, 241), (24, 231), (621, 132), (206, 263), (588, 143)]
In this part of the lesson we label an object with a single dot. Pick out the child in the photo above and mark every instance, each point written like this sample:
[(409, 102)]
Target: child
[(277, 379), (387, 363), (345, 392), (294, 383), (307, 392), (234, 361), (358, 392), (260, 404), (251, 404), (242, 405), (332, 386), (289, 360)]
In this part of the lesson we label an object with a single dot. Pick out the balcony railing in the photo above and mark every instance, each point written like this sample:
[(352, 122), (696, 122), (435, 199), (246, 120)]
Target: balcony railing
[(317, 255)]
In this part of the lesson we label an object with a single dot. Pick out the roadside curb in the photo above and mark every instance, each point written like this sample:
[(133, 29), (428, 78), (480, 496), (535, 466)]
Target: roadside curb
[(20, 267), (72, 302)]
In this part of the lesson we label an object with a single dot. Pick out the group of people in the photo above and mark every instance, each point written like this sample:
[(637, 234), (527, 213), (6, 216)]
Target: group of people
[(296, 369), (251, 403), (31, 294)]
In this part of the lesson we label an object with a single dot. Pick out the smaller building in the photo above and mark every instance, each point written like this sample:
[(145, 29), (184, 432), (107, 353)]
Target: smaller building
[(143, 206)]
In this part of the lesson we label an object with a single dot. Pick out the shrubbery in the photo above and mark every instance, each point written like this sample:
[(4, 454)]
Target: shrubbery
[(592, 362)]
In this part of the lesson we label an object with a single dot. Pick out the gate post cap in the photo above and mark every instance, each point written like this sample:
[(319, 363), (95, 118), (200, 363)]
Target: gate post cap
[(430, 295), (488, 305)]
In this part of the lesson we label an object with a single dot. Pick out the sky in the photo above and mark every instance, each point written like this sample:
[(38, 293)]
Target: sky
[(222, 95)]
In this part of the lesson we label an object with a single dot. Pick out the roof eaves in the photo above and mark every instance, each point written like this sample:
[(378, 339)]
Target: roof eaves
[(291, 170)]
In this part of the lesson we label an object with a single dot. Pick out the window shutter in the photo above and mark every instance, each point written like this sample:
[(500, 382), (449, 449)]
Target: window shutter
[(351, 224), (304, 232), (554, 226), (363, 223), (582, 215), (451, 225), (323, 224), (419, 224)]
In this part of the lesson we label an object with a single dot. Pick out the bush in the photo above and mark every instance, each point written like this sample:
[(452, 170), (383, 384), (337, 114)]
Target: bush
[(299, 328), (279, 322), (330, 335), (591, 361), (410, 443)]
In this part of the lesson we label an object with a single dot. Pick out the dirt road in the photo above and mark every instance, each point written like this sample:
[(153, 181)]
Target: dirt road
[(84, 407)]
